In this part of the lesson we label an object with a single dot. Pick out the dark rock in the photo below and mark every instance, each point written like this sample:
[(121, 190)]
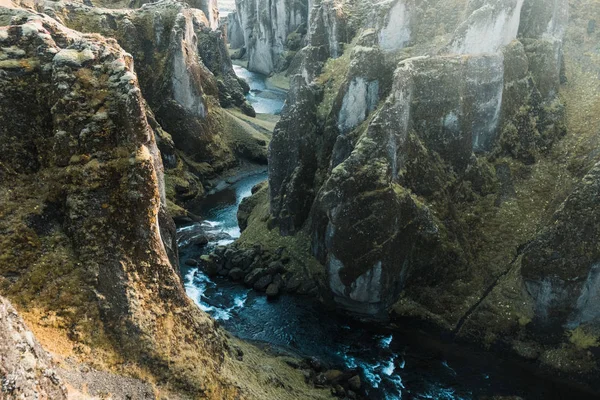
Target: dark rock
[(190, 262), (239, 354), (262, 283), (209, 266), (355, 383), (306, 287), (200, 241), (293, 284), (278, 280), (320, 380), (220, 251), (339, 391), (315, 364), (254, 276), (333, 375), (244, 85), (276, 267), (272, 290), (247, 109), (236, 274)]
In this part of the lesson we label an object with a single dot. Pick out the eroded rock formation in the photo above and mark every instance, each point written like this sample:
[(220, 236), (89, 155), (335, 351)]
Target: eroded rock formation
[(87, 247), (416, 152), (272, 30), (26, 370)]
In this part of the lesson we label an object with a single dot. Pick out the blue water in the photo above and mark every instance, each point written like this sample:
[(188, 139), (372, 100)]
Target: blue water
[(265, 98), (392, 365)]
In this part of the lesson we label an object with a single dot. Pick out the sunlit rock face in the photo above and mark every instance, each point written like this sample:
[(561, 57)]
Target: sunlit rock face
[(394, 32), (27, 370), (184, 69), (269, 29), (418, 100), (82, 178)]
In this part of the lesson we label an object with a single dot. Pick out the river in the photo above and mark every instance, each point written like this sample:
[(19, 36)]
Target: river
[(264, 97), (392, 365)]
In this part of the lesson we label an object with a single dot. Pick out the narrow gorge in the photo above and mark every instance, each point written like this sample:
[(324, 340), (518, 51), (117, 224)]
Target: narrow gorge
[(299, 199)]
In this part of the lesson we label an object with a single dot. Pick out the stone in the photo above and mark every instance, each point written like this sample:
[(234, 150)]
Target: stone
[(200, 241), (333, 375), (262, 283), (315, 364), (276, 267), (272, 290), (254, 276), (355, 383), (236, 274), (339, 391), (190, 262), (293, 284)]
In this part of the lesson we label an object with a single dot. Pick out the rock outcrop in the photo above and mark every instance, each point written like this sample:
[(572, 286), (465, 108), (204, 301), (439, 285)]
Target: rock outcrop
[(273, 31), (88, 251), (77, 150), (416, 152), (187, 79), (235, 33)]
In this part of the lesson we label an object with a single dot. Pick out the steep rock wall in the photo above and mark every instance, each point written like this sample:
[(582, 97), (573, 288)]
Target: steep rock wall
[(77, 150), (444, 169), (272, 32)]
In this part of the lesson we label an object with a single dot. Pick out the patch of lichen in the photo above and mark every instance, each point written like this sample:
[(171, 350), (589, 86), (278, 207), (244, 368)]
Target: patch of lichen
[(570, 359)]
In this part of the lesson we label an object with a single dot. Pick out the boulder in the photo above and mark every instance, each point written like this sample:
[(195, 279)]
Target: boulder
[(272, 290), (254, 276), (236, 274), (263, 283), (355, 383)]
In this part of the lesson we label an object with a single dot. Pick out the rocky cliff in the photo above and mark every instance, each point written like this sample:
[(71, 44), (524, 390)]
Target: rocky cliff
[(87, 249), (187, 78), (272, 32), (433, 156)]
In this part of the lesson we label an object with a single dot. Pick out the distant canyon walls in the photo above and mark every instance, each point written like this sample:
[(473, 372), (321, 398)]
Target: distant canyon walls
[(270, 31)]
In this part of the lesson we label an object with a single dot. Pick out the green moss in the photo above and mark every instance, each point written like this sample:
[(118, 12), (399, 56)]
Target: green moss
[(582, 339), (331, 79)]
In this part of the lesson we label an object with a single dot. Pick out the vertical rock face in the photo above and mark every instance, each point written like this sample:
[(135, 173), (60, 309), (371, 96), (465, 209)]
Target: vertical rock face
[(235, 33), (184, 69), (411, 114), (76, 152), (560, 266), (272, 32)]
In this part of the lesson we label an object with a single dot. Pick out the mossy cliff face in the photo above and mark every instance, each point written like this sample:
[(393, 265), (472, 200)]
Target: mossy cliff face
[(186, 77), (443, 168), (210, 8), (273, 32), (84, 228), (87, 250)]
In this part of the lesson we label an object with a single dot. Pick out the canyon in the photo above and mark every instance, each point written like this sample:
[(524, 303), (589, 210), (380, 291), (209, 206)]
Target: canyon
[(402, 175)]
